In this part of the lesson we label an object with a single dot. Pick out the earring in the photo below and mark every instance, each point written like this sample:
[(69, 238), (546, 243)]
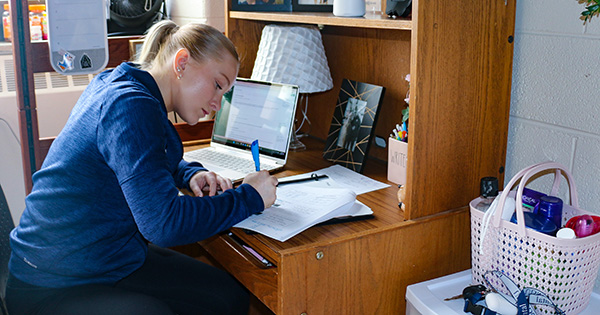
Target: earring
[(179, 75)]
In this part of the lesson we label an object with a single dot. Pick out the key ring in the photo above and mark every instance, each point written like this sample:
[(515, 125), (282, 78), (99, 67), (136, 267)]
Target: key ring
[(474, 294)]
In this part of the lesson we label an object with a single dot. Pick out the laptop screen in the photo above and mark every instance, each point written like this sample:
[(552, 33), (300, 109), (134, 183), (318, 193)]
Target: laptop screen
[(257, 110)]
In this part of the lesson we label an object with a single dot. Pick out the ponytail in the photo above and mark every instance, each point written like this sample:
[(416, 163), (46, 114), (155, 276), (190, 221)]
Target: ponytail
[(164, 38), (154, 41)]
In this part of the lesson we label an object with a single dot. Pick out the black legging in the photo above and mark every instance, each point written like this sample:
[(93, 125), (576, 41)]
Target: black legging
[(167, 283)]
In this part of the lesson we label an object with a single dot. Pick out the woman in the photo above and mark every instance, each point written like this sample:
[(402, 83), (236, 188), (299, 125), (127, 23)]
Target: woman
[(109, 184)]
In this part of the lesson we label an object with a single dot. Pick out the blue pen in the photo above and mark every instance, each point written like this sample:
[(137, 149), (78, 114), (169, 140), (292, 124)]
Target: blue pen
[(254, 149)]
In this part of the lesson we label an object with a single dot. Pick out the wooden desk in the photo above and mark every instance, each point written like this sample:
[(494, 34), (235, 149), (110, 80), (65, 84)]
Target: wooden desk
[(360, 267)]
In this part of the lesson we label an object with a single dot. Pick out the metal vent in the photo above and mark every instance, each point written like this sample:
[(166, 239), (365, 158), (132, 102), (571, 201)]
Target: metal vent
[(58, 80), (81, 80), (9, 70), (40, 81)]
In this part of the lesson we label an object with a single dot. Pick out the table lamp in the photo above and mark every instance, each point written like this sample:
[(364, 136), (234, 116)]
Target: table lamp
[(293, 55)]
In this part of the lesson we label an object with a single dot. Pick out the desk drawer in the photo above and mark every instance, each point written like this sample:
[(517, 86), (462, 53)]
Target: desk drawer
[(251, 272)]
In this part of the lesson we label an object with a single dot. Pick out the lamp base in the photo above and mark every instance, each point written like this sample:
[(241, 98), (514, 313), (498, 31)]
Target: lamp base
[(295, 144)]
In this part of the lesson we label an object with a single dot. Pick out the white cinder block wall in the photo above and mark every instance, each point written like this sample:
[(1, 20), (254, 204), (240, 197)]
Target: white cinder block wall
[(555, 103)]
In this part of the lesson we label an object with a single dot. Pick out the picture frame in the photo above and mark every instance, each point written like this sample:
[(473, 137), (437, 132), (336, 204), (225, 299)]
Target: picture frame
[(262, 5), (353, 124), (135, 47), (312, 5)]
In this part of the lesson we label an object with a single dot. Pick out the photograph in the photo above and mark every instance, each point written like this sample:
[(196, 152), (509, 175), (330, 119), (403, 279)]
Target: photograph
[(353, 124), (355, 111)]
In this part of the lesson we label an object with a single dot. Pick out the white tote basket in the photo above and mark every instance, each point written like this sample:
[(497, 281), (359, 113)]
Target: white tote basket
[(564, 269)]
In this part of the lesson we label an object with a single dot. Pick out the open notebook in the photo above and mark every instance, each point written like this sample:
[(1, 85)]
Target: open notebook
[(250, 110)]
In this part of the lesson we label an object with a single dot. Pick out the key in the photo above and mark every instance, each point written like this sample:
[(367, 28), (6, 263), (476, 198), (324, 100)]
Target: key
[(456, 297), (468, 292)]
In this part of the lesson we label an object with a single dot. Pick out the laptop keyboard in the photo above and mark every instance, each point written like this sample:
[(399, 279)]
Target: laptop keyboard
[(227, 161)]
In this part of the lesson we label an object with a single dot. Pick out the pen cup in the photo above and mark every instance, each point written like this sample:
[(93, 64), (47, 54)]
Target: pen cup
[(397, 158)]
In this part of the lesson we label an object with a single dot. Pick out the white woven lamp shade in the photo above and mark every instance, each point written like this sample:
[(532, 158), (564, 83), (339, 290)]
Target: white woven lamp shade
[(293, 55)]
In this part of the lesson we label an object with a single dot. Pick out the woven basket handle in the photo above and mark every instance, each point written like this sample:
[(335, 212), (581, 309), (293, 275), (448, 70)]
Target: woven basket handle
[(527, 176), (497, 216)]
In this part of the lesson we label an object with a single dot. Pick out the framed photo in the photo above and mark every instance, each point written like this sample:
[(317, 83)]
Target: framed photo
[(135, 47), (262, 5), (353, 124), (312, 5)]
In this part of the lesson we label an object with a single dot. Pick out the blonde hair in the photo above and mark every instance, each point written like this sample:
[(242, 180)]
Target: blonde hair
[(164, 38)]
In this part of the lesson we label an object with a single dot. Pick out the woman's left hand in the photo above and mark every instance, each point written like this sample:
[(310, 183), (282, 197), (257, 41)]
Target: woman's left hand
[(208, 182)]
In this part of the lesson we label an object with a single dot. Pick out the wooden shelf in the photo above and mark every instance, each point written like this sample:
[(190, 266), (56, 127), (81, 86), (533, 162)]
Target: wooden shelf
[(371, 260), (459, 58), (377, 21), (460, 66)]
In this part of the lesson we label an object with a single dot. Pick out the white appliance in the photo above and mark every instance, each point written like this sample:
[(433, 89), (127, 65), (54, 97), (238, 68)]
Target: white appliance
[(427, 298), (348, 7)]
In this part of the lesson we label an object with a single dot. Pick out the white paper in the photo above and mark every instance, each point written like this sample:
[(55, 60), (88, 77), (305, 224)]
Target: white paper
[(350, 179), (299, 207), (357, 209)]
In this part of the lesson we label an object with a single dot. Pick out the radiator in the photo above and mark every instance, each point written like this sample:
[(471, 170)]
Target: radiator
[(55, 97)]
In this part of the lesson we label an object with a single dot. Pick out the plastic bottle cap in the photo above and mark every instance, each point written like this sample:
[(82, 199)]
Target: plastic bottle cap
[(565, 233), (584, 225), (37, 7), (488, 187), (551, 204)]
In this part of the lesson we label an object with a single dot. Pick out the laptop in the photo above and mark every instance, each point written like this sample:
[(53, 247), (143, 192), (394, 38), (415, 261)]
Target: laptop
[(251, 110)]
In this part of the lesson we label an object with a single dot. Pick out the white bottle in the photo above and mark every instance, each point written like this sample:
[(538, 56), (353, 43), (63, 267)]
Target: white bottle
[(509, 207), (373, 6), (36, 32), (488, 190), (566, 233), (499, 304), (489, 198)]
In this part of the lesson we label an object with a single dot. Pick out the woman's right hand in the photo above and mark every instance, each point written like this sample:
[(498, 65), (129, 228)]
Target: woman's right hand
[(265, 184)]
